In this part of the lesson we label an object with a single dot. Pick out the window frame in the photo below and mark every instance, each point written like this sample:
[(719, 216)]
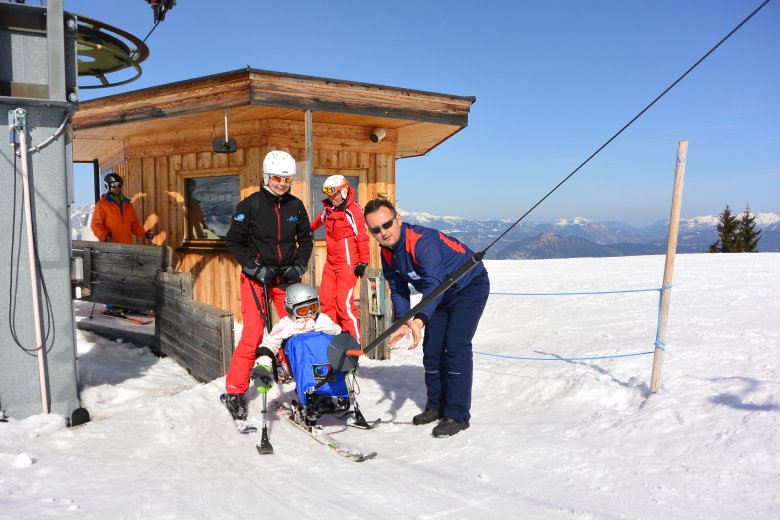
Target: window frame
[(202, 245)]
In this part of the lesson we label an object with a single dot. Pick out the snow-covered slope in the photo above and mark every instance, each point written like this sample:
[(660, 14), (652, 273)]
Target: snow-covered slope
[(568, 439)]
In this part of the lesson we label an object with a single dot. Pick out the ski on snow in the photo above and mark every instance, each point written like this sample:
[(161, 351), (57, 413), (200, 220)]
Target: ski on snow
[(126, 318), (315, 432), (319, 435)]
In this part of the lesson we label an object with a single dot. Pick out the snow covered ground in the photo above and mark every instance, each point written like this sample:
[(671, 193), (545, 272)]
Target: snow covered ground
[(549, 439)]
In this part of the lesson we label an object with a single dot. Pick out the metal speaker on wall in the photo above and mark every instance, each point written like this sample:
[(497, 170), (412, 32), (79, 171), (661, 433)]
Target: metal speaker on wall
[(224, 145), (378, 134)]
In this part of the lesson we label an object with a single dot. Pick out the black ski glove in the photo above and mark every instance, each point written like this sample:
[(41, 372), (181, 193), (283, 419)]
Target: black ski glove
[(360, 270), (149, 235), (109, 237), (293, 273), (262, 273)]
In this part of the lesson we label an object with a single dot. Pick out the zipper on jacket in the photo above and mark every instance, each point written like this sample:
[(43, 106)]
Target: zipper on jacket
[(121, 208), (279, 232)]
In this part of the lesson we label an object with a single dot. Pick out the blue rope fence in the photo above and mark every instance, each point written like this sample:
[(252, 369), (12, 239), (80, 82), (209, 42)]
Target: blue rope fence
[(658, 343), (572, 293)]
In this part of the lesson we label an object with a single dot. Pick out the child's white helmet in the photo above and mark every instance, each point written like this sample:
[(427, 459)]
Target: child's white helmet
[(300, 300), (335, 184)]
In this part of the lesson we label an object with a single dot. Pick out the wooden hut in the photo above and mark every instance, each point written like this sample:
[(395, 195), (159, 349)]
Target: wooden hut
[(161, 141)]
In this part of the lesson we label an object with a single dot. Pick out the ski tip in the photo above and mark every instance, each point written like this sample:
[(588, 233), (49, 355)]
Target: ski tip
[(365, 456), (366, 425), (246, 430)]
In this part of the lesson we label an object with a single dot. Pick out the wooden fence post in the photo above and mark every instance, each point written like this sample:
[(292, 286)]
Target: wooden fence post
[(671, 249)]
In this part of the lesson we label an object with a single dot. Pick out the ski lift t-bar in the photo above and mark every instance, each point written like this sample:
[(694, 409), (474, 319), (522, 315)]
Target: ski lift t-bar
[(448, 282)]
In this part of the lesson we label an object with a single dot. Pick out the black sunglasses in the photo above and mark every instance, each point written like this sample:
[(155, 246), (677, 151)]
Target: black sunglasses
[(386, 225)]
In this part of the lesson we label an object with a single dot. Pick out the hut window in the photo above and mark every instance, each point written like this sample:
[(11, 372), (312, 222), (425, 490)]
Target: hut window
[(210, 205), (316, 196)]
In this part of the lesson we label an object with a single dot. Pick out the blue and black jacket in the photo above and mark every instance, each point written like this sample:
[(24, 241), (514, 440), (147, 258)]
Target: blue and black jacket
[(423, 257)]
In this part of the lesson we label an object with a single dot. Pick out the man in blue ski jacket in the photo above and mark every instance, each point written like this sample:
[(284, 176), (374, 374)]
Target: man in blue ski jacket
[(423, 257)]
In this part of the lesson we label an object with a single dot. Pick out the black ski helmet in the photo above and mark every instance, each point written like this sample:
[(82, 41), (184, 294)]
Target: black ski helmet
[(111, 178)]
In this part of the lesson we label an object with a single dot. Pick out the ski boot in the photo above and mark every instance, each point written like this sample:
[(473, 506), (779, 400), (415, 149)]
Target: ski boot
[(236, 405), (342, 404)]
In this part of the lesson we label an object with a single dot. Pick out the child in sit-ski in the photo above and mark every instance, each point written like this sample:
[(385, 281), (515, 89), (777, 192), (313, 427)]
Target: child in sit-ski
[(303, 315)]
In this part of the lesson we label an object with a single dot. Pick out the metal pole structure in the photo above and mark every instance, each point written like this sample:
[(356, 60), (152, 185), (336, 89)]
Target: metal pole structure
[(671, 249), (43, 89), (32, 256), (55, 40), (309, 138), (96, 178)]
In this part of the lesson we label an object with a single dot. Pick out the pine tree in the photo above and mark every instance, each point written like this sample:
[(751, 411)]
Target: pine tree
[(747, 233), (727, 231)]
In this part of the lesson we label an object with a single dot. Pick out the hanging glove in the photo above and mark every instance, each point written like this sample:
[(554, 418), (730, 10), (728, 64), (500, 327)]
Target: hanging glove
[(109, 237), (360, 270), (149, 235), (261, 377), (293, 273), (262, 273)]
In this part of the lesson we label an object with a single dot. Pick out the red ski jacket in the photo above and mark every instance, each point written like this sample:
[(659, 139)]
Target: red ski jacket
[(346, 236)]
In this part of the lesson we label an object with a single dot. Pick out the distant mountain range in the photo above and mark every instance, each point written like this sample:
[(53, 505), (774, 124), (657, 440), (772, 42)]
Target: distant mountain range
[(579, 237), (565, 238), (79, 222)]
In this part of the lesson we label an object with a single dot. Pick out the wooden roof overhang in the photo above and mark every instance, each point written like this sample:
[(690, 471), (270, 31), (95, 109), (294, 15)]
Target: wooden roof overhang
[(422, 120)]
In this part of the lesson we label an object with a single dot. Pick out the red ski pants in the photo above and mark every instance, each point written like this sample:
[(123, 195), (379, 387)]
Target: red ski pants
[(237, 379), (336, 298)]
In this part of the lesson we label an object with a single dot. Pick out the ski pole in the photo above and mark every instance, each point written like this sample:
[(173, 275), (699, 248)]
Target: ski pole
[(263, 315), (267, 317), (265, 445)]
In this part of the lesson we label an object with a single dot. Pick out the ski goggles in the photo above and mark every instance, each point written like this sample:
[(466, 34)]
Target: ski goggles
[(309, 308), (332, 190), (115, 184), (280, 179), (386, 225)]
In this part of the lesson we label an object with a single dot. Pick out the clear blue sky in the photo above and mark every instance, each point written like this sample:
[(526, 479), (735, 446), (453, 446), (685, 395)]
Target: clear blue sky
[(553, 81)]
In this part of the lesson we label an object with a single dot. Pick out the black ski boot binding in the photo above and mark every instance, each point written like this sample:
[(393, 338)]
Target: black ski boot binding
[(236, 405), (342, 404)]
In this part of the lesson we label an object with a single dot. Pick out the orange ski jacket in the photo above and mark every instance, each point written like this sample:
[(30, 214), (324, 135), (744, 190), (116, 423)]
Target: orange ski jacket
[(116, 216)]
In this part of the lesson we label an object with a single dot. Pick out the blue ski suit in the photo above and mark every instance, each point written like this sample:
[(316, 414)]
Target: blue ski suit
[(423, 257)]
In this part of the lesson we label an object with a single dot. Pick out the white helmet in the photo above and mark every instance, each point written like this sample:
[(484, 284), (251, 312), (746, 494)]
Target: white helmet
[(335, 184), (301, 300), (278, 163)]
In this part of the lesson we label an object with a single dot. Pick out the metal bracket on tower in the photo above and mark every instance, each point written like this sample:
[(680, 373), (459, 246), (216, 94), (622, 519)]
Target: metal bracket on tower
[(17, 123), (17, 118)]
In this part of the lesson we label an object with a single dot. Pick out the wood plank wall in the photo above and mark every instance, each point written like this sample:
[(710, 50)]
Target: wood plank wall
[(153, 182), (198, 336), (120, 274)]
